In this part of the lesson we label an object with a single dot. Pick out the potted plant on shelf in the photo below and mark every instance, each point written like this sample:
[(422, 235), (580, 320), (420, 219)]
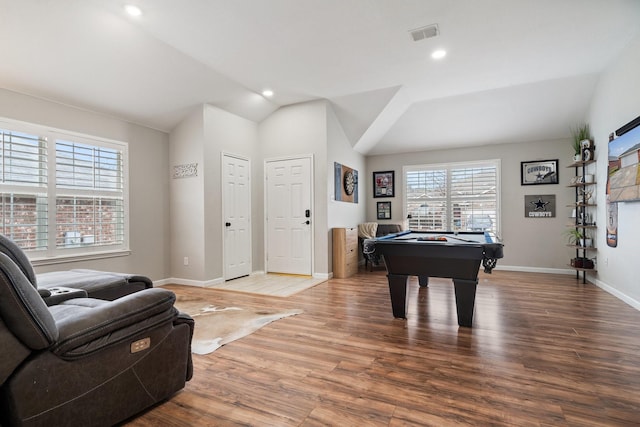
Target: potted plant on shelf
[(575, 235), (578, 238), (579, 134)]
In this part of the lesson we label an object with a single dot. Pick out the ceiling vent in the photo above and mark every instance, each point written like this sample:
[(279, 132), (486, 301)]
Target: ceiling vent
[(424, 32)]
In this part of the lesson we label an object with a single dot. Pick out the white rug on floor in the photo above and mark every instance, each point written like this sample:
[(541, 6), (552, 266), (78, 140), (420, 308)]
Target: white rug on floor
[(217, 326)]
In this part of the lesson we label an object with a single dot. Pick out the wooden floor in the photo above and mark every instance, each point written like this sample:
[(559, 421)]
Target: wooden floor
[(545, 350)]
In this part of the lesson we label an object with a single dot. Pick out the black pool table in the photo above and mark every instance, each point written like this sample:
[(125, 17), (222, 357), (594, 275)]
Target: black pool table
[(438, 254)]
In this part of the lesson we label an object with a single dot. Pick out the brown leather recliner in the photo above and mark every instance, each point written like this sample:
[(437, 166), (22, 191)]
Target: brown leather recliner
[(86, 362)]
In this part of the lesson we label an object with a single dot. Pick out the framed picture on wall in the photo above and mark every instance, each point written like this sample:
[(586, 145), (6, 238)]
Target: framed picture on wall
[(384, 210), (539, 172), (383, 183), (543, 206)]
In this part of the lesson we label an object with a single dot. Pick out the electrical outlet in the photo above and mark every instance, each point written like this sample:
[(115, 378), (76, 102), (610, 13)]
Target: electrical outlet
[(186, 260)]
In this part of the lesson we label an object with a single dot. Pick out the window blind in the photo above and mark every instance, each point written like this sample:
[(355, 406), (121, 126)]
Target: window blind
[(23, 192), (457, 197), (90, 201), (61, 191)]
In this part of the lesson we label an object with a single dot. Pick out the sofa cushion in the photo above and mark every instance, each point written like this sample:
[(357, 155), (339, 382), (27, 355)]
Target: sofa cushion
[(87, 325)]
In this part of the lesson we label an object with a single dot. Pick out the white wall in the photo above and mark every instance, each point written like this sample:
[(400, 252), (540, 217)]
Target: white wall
[(196, 211), (196, 203), (187, 201), (342, 214), (148, 179), (530, 244), (225, 132), (301, 129), (615, 103)]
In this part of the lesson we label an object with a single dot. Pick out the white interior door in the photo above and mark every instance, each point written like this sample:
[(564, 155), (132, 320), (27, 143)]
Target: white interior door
[(237, 216), (288, 216)]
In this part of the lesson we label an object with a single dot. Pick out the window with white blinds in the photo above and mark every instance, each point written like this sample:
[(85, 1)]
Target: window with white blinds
[(453, 196), (23, 188), (60, 193), (89, 196)]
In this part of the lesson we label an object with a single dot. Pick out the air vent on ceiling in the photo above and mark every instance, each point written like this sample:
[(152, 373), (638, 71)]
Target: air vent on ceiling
[(424, 32)]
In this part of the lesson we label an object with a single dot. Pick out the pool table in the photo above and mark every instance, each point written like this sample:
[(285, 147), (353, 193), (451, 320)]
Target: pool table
[(438, 254)]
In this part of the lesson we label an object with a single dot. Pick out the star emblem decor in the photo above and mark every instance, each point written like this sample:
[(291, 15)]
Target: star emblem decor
[(540, 205)]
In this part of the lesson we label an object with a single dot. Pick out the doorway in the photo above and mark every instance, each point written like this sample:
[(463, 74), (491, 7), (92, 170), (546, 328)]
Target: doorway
[(288, 215), (236, 196)]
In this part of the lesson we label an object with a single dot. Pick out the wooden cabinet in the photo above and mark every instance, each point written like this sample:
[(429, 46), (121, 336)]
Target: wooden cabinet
[(345, 252)]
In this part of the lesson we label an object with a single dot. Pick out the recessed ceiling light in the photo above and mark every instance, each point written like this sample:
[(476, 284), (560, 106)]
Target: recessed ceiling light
[(268, 93), (133, 10), (439, 54)]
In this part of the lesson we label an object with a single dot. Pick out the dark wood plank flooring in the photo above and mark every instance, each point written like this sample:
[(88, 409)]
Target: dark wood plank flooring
[(545, 350)]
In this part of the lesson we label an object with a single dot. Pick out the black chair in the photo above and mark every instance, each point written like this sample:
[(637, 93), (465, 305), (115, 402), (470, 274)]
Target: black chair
[(85, 361)]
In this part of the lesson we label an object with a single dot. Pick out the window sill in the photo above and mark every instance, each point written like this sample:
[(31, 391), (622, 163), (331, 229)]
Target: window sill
[(79, 257)]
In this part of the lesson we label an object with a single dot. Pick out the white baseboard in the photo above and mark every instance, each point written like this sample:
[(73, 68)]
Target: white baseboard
[(213, 282), (161, 282), (599, 283), (616, 293), (533, 269), (188, 282), (325, 276)]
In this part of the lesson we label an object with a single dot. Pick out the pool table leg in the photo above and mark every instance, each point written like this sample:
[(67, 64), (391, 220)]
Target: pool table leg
[(465, 300), (398, 291)]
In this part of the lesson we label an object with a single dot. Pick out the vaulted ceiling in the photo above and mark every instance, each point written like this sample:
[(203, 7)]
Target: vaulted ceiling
[(515, 70)]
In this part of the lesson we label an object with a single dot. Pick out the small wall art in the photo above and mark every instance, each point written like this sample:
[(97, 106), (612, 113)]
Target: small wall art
[(187, 170), (384, 210)]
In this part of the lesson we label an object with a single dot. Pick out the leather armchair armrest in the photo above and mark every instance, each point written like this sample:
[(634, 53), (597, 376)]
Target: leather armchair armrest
[(184, 318), (60, 294), (87, 325)]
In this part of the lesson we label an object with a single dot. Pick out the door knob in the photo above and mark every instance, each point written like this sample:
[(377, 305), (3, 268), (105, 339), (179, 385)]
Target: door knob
[(227, 224), (307, 222)]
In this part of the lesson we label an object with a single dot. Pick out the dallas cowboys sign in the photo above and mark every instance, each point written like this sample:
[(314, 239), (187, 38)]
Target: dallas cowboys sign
[(540, 206)]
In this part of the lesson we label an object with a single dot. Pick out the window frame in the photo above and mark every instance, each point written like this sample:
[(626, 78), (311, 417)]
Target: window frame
[(448, 199), (53, 254)]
